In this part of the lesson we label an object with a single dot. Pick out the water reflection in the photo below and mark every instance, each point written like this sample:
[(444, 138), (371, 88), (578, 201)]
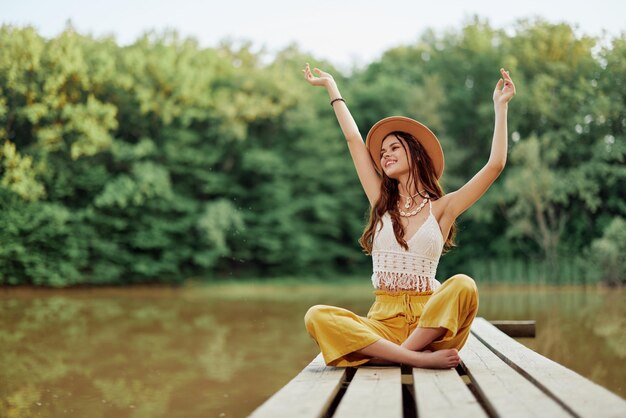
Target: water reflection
[(222, 350)]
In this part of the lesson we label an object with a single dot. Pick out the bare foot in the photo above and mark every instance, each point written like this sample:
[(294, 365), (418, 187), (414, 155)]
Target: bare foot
[(440, 359)]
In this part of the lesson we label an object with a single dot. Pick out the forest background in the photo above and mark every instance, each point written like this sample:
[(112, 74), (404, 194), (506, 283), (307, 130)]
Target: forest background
[(162, 161)]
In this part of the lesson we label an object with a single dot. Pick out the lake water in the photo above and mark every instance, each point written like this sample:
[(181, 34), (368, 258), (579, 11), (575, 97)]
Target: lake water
[(221, 350)]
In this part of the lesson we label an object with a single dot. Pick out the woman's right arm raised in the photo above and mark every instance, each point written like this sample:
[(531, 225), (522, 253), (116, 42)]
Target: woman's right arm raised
[(370, 180)]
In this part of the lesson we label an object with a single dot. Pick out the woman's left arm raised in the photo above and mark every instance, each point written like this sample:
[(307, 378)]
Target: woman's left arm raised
[(460, 200)]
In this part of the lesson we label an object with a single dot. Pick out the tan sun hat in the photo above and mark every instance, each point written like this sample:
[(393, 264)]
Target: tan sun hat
[(425, 136)]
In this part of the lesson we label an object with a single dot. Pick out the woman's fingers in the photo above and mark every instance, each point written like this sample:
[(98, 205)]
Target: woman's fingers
[(505, 89), (506, 79), (310, 78), (316, 77)]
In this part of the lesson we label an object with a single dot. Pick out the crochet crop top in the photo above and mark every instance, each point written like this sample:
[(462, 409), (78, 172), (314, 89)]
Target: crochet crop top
[(398, 269)]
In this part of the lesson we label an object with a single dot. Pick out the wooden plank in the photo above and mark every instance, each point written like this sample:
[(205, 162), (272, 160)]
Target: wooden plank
[(309, 394), (503, 391), (442, 393), (516, 329), (579, 395), (373, 392)]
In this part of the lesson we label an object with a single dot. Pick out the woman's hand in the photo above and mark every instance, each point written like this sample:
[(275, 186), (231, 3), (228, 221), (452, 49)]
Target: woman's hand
[(324, 79), (502, 95)]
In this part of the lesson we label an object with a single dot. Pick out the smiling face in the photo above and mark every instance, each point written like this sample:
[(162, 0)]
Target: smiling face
[(393, 157)]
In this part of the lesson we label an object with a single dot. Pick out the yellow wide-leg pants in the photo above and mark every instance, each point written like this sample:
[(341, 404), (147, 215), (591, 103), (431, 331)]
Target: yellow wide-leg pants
[(339, 333)]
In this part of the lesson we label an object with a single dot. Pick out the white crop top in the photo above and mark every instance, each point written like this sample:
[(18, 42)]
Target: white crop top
[(398, 269)]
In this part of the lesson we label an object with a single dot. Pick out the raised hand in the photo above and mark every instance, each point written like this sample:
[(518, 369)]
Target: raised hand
[(505, 89), (323, 80)]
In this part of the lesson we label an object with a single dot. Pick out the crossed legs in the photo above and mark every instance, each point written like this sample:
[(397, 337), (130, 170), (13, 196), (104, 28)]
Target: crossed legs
[(456, 303), (341, 333), (409, 352)]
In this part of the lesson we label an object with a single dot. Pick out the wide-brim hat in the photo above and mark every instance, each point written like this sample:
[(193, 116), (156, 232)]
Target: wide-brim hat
[(425, 136)]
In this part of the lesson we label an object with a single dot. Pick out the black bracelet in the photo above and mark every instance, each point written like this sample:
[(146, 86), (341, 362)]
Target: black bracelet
[(334, 100)]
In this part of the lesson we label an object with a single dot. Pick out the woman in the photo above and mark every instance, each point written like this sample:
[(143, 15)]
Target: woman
[(414, 320)]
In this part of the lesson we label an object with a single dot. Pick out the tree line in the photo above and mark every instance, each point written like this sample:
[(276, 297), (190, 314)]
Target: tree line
[(164, 160)]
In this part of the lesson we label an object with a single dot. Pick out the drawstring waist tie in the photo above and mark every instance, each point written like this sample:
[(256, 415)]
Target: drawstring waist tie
[(411, 301)]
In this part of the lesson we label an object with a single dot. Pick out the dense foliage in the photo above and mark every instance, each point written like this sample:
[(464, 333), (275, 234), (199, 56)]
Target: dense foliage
[(162, 160)]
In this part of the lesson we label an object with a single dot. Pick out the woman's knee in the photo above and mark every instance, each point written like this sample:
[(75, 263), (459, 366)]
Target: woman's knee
[(315, 314), (464, 283)]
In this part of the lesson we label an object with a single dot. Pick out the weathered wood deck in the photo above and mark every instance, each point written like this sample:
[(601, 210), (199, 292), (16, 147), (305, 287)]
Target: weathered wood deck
[(498, 377)]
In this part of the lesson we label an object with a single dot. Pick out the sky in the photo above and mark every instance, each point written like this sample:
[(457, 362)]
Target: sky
[(346, 33)]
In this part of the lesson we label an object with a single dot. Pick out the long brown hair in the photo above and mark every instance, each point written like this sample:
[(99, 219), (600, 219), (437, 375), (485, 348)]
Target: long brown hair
[(421, 167)]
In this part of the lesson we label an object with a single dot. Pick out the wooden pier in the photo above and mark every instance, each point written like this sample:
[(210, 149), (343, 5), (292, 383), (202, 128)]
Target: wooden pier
[(497, 377)]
